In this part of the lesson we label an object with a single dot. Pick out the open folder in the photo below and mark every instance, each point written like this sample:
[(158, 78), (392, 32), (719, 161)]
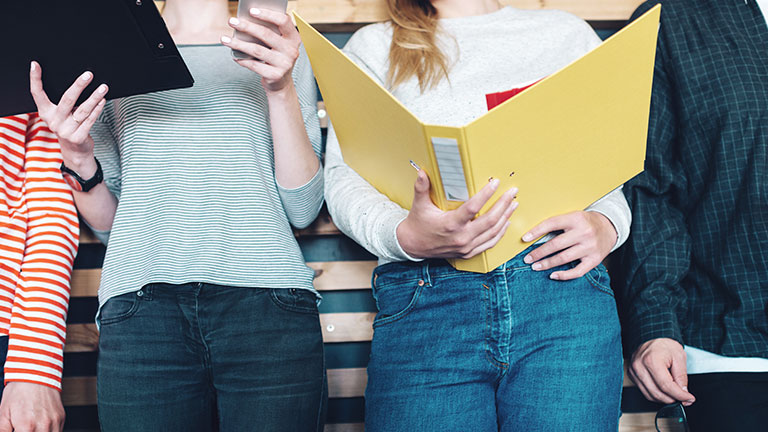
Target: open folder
[(564, 142), (124, 43)]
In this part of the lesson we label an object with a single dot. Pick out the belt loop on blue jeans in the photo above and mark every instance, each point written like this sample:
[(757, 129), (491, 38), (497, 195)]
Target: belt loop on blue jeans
[(146, 292)]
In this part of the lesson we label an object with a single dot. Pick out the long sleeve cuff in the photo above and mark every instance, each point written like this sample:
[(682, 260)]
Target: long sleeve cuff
[(302, 204), (42, 365), (402, 255), (615, 208)]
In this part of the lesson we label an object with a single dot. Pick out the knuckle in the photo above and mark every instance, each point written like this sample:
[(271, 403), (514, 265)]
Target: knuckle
[(452, 227), (462, 241)]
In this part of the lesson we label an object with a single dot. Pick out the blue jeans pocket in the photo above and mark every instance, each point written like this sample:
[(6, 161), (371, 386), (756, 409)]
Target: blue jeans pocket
[(598, 278), (119, 308), (294, 300), (396, 295)]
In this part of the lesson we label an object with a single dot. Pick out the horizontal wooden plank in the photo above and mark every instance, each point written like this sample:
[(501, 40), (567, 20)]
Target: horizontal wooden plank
[(342, 275), (365, 11), (336, 327), (345, 427), (85, 282), (78, 391), (637, 422), (347, 383), (347, 327), (82, 338), (329, 276)]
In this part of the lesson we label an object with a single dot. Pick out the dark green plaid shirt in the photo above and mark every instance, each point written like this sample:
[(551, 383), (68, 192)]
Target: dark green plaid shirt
[(695, 268)]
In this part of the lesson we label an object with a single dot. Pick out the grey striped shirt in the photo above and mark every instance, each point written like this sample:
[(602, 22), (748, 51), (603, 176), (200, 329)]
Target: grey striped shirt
[(193, 170)]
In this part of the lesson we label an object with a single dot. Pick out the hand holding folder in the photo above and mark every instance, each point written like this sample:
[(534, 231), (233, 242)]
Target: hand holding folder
[(566, 141), (457, 232)]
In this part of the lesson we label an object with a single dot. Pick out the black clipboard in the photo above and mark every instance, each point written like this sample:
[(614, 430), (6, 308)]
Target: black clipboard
[(125, 43)]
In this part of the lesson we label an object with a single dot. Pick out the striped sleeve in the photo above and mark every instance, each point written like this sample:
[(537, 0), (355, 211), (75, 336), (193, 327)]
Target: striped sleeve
[(303, 203), (38, 319)]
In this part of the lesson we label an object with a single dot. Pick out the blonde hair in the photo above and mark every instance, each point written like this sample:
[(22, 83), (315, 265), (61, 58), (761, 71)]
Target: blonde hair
[(414, 50)]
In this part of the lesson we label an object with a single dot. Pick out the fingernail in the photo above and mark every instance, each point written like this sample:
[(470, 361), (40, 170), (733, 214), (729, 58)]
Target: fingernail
[(685, 388), (527, 237), (554, 276), (255, 11), (32, 66), (234, 21), (86, 76), (536, 266), (527, 259), (513, 192), (226, 39), (102, 89), (494, 182), (514, 205)]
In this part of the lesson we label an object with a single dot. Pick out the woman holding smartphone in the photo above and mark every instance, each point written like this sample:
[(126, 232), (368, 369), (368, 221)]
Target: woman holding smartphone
[(534, 345), (208, 318)]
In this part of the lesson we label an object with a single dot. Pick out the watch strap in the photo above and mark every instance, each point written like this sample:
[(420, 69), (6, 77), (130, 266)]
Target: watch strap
[(78, 183)]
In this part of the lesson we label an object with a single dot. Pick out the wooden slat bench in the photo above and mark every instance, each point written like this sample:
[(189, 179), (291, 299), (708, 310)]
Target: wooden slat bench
[(342, 268)]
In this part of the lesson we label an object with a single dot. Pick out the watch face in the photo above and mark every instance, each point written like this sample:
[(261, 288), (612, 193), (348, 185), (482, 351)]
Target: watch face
[(72, 182)]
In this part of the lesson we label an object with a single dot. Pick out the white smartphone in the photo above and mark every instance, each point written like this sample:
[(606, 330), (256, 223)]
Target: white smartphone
[(244, 14)]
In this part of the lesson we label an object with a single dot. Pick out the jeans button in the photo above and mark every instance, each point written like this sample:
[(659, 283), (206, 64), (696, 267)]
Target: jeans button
[(140, 293), (421, 282)]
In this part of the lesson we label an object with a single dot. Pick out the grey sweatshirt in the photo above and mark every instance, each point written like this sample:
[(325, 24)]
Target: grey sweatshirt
[(488, 53)]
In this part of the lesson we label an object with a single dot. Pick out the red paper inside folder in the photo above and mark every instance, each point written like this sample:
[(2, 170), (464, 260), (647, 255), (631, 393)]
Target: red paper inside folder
[(496, 99)]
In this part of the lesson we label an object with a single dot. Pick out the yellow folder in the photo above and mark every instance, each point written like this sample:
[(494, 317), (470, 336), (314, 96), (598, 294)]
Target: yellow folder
[(564, 142)]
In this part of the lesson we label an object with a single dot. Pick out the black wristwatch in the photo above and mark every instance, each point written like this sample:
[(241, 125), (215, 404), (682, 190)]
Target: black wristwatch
[(77, 183)]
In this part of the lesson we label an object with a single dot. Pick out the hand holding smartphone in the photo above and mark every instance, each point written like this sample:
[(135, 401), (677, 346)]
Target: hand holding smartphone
[(243, 14)]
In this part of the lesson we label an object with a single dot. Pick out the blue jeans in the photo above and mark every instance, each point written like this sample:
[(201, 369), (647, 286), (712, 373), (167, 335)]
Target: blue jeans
[(510, 350), (3, 355), (199, 357)]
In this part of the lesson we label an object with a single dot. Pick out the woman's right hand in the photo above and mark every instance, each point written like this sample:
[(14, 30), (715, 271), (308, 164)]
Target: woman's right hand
[(429, 232), (72, 125)]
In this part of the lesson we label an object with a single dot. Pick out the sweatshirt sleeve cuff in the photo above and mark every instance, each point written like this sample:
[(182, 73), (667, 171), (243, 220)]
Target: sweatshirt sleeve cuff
[(394, 244), (615, 208)]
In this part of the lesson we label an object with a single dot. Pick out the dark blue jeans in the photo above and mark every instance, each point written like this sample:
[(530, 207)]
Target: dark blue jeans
[(510, 350), (3, 356), (199, 357)]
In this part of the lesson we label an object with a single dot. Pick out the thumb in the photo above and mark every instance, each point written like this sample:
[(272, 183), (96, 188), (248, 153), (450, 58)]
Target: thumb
[(680, 374), (421, 190), (5, 424)]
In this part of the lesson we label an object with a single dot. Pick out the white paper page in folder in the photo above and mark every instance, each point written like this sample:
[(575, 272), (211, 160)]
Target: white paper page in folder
[(451, 168)]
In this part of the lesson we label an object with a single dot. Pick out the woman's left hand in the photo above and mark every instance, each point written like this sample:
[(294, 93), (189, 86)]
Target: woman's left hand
[(274, 62), (586, 236)]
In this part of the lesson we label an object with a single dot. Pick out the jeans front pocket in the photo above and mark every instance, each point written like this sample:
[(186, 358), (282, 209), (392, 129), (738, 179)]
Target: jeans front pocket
[(598, 278), (120, 308), (396, 295)]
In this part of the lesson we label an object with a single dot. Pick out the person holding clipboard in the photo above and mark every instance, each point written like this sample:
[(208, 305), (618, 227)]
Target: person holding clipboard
[(208, 318), (532, 345)]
